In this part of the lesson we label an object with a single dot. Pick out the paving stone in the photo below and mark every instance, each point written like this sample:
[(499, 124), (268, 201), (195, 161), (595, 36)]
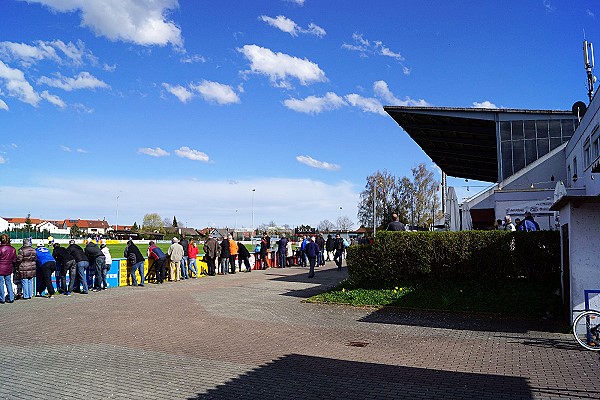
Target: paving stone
[(249, 335)]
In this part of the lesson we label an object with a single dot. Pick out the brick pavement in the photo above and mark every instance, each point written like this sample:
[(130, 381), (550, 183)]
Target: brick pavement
[(249, 335)]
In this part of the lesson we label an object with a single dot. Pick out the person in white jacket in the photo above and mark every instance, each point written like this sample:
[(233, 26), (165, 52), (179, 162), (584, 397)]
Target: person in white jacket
[(107, 264)]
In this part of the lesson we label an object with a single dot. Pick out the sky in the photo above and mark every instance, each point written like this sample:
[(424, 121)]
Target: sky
[(238, 113)]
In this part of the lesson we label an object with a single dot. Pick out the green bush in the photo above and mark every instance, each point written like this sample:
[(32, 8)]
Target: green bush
[(469, 254)]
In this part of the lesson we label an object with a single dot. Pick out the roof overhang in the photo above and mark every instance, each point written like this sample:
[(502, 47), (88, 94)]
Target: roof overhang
[(461, 141)]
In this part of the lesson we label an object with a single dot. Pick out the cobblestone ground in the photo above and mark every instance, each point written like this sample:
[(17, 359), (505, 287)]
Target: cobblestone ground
[(249, 335)]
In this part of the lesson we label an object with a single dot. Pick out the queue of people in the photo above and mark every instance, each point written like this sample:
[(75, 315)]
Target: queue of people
[(93, 262)]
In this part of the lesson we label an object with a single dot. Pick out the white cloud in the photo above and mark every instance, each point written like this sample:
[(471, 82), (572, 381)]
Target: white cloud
[(279, 67), (367, 47), (282, 23), (314, 104), (56, 50), (182, 93), (196, 58), (66, 149), (143, 22), (381, 90), (82, 151), (297, 2), (17, 85), (82, 108), (286, 25), (84, 80), (548, 6), (316, 30), (90, 199), (3, 105), (2, 160), (195, 155), (215, 92), (311, 162), (590, 13), (366, 104), (484, 104), (53, 99), (157, 152)]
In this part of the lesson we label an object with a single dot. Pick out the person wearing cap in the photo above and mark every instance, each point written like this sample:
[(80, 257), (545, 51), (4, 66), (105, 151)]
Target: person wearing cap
[(135, 259), (65, 263), (175, 254), (79, 284), (159, 257), (26, 267), (312, 251), (46, 264), (529, 224), (97, 263), (8, 256)]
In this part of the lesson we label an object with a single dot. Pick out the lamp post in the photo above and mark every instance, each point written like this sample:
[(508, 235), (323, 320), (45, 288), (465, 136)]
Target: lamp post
[(252, 233), (117, 227), (235, 224)]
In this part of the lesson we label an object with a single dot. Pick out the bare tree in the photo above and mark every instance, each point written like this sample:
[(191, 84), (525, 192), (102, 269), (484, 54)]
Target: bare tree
[(325, 226), (344, 223), (415, 201)]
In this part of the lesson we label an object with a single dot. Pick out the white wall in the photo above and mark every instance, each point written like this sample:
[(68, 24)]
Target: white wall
[(584, 245), (3, 225)]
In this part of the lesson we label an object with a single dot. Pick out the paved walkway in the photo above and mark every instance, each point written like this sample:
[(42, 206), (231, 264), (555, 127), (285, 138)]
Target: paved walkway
[(249, 336)]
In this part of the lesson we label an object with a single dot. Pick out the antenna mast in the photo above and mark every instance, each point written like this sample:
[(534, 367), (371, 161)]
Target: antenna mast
[(588, 62)]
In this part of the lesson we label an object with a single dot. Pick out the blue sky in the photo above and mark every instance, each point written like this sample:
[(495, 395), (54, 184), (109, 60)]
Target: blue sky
[(183, 107)]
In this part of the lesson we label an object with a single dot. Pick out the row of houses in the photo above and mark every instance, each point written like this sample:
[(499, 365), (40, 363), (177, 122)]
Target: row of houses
[(86, 226)]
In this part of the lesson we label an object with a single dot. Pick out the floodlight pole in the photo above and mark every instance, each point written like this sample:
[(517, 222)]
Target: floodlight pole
[(374, 208), (252, 234)]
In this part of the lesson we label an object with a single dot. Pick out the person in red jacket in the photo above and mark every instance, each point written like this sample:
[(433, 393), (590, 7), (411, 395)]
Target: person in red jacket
[(8, 257), (192, 253)]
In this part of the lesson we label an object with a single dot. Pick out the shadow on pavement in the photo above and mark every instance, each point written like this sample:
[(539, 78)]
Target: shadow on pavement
[(447, 320), (297, 376), (323, 280)]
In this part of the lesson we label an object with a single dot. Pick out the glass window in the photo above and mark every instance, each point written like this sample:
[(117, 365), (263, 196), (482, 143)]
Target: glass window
[(529, 129), (518, 155), (586, 153), (568, 127), (574, 166), (541, 129), (554, 143), (543, 146), (530, 151), (595, 148), (555, 130), (505, 130), (517, 130), (507, 164)]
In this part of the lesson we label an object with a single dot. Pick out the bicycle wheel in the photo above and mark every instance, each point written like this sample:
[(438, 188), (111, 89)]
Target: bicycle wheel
[(586, 329)]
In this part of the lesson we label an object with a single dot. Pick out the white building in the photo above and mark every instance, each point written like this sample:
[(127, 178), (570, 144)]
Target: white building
[(579, 212)]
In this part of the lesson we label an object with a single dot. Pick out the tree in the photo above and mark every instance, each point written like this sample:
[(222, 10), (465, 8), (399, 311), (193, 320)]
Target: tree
[(75, 231), (325, 226), (174, 222), (27, 227), (134, 227), (152, 222), (415, 201), (344, 223)]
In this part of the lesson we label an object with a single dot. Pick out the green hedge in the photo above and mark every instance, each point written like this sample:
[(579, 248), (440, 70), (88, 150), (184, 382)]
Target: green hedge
[(469, 254)]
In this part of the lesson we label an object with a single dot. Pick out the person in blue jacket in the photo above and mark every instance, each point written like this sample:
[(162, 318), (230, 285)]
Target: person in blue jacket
[(47, 266), (312, 251)]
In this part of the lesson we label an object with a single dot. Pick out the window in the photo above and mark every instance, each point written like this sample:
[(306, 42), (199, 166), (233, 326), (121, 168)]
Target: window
[(574, 168), (586, 153)]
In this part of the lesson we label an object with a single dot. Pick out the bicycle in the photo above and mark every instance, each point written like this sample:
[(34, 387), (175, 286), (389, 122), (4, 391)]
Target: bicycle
[(586, 329)]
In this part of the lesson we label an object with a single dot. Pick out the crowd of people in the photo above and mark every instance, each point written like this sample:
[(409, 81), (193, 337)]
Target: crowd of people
[(527, 224), (92, 262)]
